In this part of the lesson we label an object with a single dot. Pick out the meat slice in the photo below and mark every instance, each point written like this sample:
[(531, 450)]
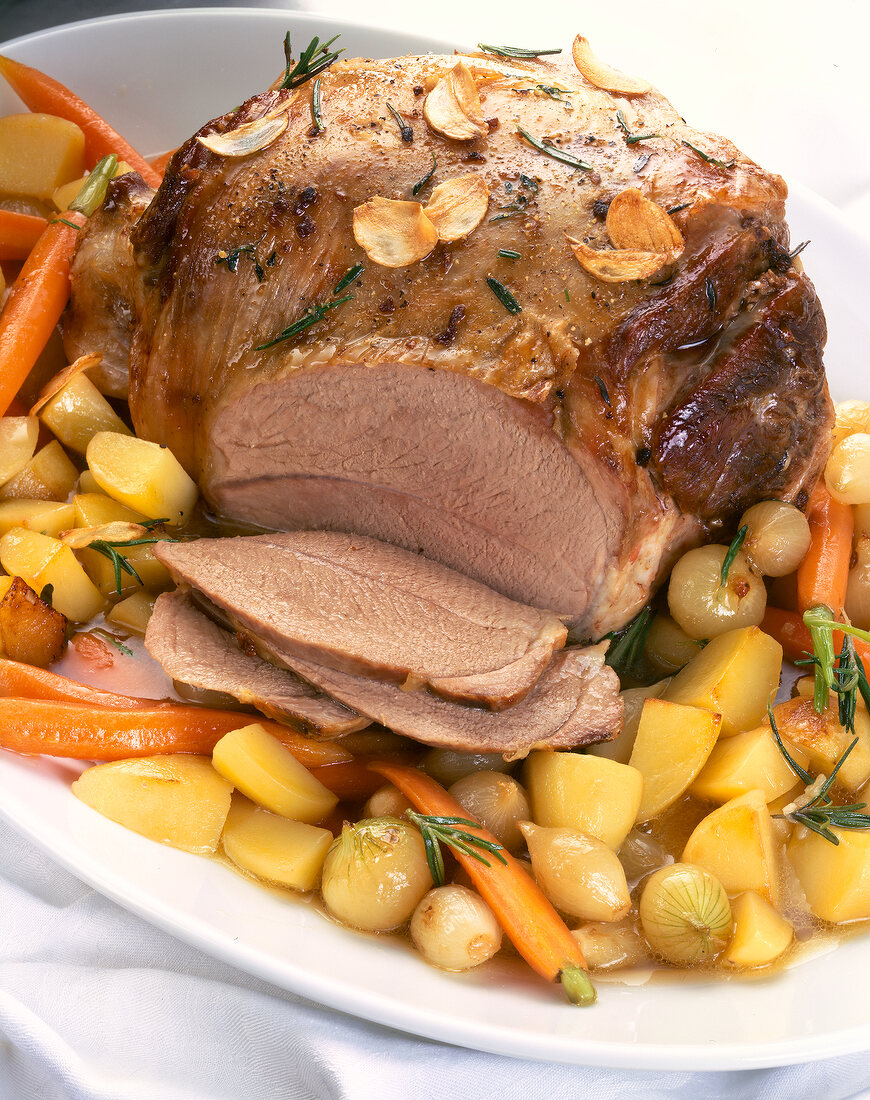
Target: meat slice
[(365, 607), (196, 651), (575, 702)]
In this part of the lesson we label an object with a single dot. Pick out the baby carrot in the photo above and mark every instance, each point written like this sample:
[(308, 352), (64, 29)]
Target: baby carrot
[(42, 93), (19, 233), (85, 731), (824, 573), (29, 682), (35, 303), (533, 925)]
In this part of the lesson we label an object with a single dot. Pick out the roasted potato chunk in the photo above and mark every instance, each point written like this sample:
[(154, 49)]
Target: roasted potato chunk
[(31, 630)]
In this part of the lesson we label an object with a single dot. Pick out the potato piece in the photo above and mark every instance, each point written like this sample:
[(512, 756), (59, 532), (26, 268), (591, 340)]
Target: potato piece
[(667, 647), (88, 484), (738, 844), (152, 573), (65, 194), (611, 946), (734, 676), (579, 875), (96, 510), (287, 853), (178, 800), (760, 935), (633, 699), (18, 436), (749, 761), (42, 560), (49, 475), (588, 793), (835, 878), (36, 515), (268, 773), (30, 629), (824, 740), (672, 745), (134, 612), (142, 475), (78, 411), (40, 152)]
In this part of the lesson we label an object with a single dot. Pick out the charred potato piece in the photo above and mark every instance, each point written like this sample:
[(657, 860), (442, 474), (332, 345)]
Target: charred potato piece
[(31, 631)]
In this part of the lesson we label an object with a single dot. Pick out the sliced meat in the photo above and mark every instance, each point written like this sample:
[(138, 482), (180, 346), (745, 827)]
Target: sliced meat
[(196, 651), (575, 702), (367, 608)]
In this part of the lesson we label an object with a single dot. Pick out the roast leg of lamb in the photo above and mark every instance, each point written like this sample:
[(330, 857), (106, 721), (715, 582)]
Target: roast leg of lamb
[(520, 398)]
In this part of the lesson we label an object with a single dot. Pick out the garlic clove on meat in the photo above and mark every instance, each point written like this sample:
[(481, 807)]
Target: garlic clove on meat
[(458, 206), (392, 232), (619, 265), (636, 222), (248, 138), (453, 106), (603, 76)]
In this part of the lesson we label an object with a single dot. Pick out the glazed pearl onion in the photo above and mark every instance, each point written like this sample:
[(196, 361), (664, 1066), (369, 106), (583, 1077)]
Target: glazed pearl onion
[(777, 538), (448, 765), (847, 473), (453, 928), (498, 802), (702, 605), (375, 874), (858, 589)]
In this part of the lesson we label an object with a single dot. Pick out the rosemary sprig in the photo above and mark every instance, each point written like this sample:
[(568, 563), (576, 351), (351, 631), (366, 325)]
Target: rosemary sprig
[(508, 253), (847, 676), (706, 156), (314, 314), (630, 138), (314, 59), (559, 94), (504, 295), (349, 276), (803, 775), (119, 562), (710, 291), (731, 554), (450, 831), (421, 183), (315, 106), (554, 151), (626, 645), (231, 258), (602, 388), (514, 51), (112, 640), (405, 131)]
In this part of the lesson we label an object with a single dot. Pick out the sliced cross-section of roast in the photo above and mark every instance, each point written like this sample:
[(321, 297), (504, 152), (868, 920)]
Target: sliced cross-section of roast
[(193, 649), (575, 702), (364, 607)]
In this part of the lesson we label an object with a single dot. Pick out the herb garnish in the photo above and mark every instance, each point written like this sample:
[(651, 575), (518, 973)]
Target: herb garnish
[(529, 183), (93, 190), (231, 259), (65, 221), (420, 184), (314, 59), (112, 640), (706, 156), (677, 209), (508, 253), (315, 106), (311, 317), (602, 389), (405, 131), (850, 675), (559, 94), (626, 645), (554, 151), (504, 295), (797, 251), (731, 553), (348, 277), (711, 294), (630, 138), (119, 562), (641, 163), (446, 830), (514, 51), (814, 809)]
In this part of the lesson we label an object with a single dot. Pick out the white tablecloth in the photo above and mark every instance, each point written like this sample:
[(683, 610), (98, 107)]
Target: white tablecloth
[(95, 1004)]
